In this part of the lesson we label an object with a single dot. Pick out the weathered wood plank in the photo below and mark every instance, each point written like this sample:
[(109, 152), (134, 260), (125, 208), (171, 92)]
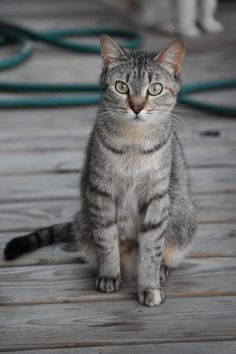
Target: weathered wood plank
[(45, 8), (75, 283), (39, 187), (65, 185), (215, 240), (212, 180), (45, 140), (75, 134), (59, 161), (28, 122), (41, 162), (66, 325), (212, 240), (216, 208), (219, 347), (26, 216), (67, 67), (210, 155)]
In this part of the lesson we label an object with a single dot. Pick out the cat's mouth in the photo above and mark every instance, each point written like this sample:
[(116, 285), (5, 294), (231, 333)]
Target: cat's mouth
[(137, 117)]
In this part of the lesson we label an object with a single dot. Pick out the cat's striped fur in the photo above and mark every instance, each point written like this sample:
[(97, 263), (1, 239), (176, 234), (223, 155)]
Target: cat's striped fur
[(136, 217)]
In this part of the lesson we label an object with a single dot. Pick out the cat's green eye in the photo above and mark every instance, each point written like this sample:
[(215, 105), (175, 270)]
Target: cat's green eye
[(155, 89), (121, 87)]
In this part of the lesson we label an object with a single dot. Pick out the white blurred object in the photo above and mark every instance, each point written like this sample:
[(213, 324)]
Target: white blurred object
[(189, 17), (206, 19)]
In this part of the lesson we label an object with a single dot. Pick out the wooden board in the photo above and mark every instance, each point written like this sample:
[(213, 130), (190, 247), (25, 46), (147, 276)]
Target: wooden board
[(27, 216), (215, 240), (213, 180), (69, 161), (117, 322), (212, 240), (41, 162), (38, 187), (74, 134), (219, 347), (75, 282)]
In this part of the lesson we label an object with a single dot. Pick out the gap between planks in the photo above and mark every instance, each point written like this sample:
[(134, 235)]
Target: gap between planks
[(43, 325), (121, 343), (205, 347), (75, 283), (19, 217), (119, 297)]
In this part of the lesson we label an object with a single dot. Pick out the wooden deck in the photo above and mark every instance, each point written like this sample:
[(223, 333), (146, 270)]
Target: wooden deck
[(47, 299)]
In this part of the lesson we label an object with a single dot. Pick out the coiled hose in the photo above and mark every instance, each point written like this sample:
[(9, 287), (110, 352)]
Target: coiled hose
[(11, 34)]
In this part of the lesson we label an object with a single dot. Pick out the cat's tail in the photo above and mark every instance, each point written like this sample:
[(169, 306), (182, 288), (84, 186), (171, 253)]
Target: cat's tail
[(39, 238)]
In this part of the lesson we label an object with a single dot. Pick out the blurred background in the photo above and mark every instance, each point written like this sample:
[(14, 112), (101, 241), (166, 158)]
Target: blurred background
[(207, 53)]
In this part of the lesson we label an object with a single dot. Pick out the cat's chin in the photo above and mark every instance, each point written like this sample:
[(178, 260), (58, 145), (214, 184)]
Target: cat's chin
[(137, 118), (138, 121)]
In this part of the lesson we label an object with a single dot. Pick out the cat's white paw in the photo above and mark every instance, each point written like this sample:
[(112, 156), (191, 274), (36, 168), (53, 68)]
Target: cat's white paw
[(151, 297)]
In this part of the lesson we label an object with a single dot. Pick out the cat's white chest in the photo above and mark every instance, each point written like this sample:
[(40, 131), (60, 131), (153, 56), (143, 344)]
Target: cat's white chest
[(127, 211), (132, 165)]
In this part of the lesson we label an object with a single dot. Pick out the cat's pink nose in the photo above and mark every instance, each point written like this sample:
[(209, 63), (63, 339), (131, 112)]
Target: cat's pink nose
[(136, 109), (137, 104)]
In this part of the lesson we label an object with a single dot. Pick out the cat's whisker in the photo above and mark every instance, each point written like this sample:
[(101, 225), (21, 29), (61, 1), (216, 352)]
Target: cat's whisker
[(177, 117)]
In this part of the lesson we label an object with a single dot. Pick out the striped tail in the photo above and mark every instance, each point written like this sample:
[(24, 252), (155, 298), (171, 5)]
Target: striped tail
[(39, 238)]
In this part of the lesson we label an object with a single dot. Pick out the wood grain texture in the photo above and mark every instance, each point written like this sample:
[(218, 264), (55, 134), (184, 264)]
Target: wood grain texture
[(69, 161), (212, 240), (25, 124), (39, 187), (117, 322), (75, 282), (55, 136), (27, 216), (215, 240), (219, 347), (66, 185)]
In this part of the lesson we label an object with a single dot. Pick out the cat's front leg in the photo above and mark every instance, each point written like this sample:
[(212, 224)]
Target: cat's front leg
[(102, 214), (106, 239), (151, 242)]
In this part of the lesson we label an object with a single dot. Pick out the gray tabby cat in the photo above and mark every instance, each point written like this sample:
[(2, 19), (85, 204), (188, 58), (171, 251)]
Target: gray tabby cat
[(136, 218)]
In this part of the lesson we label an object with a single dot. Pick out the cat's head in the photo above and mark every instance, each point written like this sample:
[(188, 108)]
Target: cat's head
[(140, 86)]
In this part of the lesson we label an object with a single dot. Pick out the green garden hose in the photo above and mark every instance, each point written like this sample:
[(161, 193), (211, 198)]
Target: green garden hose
[(11, 34)]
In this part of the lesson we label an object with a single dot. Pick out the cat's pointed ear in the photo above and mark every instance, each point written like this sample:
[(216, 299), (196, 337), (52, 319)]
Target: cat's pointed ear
[(111, 53), (171, 57)]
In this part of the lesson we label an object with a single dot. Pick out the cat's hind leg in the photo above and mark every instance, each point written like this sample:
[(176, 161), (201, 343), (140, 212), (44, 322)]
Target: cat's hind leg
[(164, 273), (172, 257)]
